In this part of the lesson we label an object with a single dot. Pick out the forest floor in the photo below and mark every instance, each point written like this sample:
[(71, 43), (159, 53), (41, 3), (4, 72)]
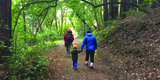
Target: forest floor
[(61, 68)]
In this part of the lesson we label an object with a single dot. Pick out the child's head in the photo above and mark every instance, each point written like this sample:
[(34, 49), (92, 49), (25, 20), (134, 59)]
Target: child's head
[(75, 47)]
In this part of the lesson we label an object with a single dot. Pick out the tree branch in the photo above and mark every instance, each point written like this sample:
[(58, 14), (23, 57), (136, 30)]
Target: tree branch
[(41, 22), (28, 5), (48, 8), (141, 9)]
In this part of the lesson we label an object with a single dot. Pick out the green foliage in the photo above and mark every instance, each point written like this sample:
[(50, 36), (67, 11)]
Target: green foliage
[(58, 41), (132, 11), (80, 40), (122, 52), (111, 21), (26, 61), (138, 24), (2, 44), (111, 42), (103, 33)]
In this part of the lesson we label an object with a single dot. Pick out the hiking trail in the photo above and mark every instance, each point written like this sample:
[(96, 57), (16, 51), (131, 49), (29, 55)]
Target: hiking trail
[(60, 67)]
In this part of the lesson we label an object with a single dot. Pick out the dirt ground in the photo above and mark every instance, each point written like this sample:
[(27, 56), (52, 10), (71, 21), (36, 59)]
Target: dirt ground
[(61, 68)]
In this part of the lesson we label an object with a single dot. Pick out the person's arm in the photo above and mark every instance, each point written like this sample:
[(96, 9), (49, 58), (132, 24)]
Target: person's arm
[(72, 38), (95, 43), (79, 51), (83, 43), (70, 51)]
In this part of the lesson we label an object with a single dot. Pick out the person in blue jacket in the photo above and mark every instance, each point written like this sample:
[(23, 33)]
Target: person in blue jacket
[(91, 45)]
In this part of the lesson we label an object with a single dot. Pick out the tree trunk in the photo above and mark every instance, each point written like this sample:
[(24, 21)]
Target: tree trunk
[(105, 14), (113, 10), (155, 4), (65, 22), (5, 34), (134, 2), (61, 22), (24, 23), (101, 15), (95, 15), (101, 12), (84, 32), (123, 8), (140, 2), (55, 14)]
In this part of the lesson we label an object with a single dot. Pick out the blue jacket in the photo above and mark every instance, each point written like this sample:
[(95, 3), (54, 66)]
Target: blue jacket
[(90, 42)]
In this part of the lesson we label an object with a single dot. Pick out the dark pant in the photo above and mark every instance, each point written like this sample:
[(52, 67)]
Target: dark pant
[(68, 46), (91, 53)]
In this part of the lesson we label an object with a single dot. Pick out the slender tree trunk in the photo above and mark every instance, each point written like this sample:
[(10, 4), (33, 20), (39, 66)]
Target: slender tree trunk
[(134, 2), (56, 18), (105, 14), (5, 34), (124, 8), (140, 2), (101, 13), (84, 32), (113, 9), (95, 15), (127, 6), (131, 1), (24, 23), (65, 22), (61, 22)]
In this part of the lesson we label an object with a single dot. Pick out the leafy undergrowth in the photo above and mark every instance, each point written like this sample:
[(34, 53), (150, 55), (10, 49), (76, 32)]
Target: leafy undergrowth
[(133, 46), (58, 41), (30, 65), (27, 62)]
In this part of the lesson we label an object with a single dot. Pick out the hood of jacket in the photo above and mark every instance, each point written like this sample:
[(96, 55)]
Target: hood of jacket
[(89, 34), (69, 31)]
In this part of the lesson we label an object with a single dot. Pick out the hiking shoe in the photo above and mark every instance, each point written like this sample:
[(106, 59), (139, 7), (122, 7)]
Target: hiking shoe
[(86, 64), (75, 68), (91, 67), (68, 56)]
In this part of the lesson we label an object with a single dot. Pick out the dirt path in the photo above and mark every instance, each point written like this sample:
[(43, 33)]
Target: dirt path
[(61, 67)]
